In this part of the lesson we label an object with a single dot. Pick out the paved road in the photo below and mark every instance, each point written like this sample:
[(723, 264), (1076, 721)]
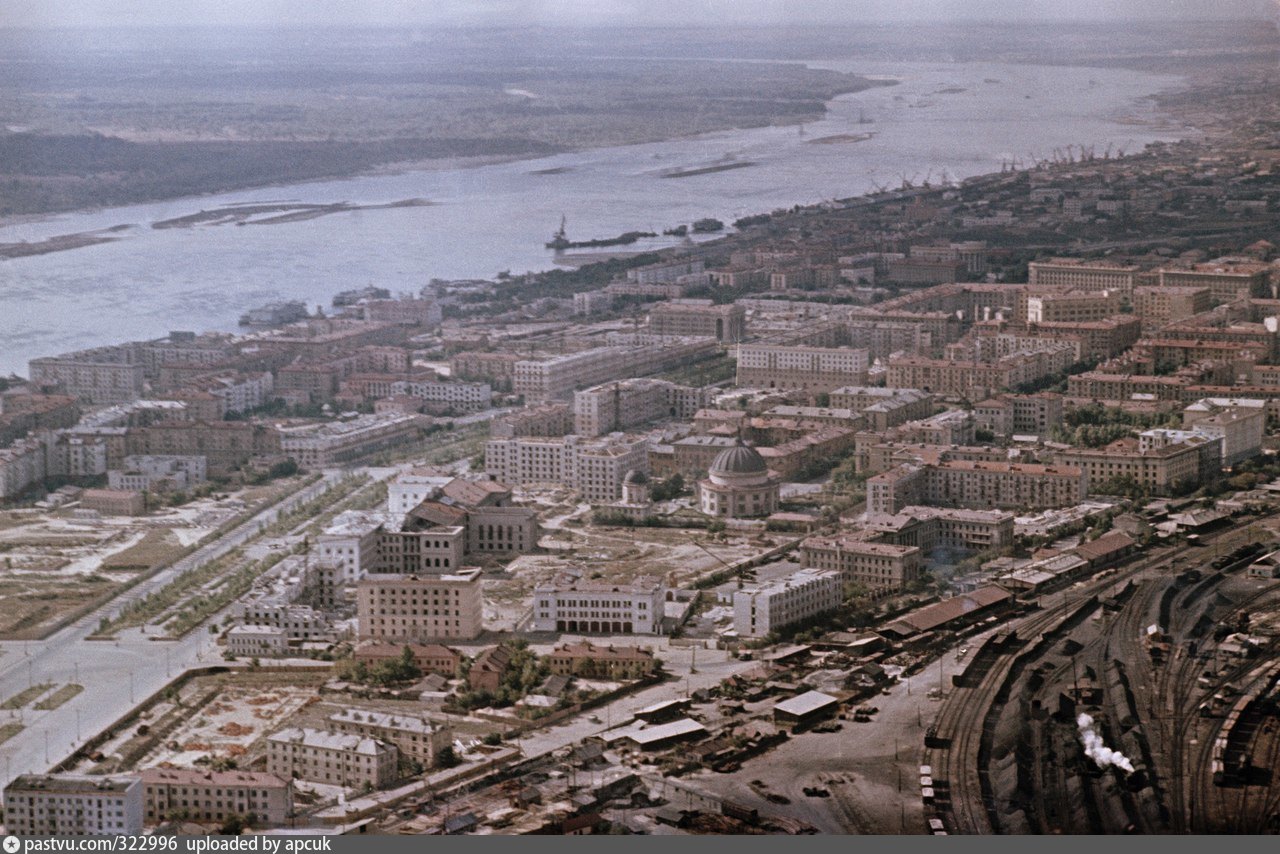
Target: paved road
[(115, 674)]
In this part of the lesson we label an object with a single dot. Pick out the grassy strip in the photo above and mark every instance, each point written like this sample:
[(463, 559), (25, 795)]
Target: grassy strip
[(57, 698), (232, 588), (17, 701), (9, 730)]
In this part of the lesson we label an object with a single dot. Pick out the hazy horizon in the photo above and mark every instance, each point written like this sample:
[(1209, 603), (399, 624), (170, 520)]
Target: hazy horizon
[(604, 13)]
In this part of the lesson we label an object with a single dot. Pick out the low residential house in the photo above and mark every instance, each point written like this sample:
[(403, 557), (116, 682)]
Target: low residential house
[(587, 660), (488, 669), (429, 658)]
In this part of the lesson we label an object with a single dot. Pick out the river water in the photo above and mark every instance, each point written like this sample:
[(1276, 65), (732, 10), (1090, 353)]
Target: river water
[(961, 118)]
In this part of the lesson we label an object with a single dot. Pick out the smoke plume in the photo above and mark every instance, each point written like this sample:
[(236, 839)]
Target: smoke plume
[(1104, 757)]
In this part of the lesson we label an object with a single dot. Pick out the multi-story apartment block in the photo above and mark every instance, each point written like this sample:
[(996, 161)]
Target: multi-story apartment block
[(664, 271), (1226, 281), (462, 396), (72, 805), (596, 468), (764, 608), (699, 318), (418, 608), (21, 465), (1162, 461), (932, 528), (158, 473), (417, 738), (100, 376), (557, 377), (406, 491), (1241, 423), (225, 445), (1019, 414), (623, 404), (1071, 306), (498, 369), (569, 604), (212, 797), (549, 419), (319, 445), (1157, 306), (972, 378), (1085, 275), (879, 567), (333, 758), (811, 369), (977, 484)]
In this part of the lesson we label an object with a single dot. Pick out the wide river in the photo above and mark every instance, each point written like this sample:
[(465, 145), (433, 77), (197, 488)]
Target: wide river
[(961, 118)]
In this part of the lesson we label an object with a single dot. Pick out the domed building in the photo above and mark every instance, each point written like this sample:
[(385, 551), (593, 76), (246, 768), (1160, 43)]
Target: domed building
[(636, 503), (738, 485)]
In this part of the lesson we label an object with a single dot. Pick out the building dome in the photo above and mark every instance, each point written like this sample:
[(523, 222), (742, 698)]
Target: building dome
[(636, 476), (739, 460)]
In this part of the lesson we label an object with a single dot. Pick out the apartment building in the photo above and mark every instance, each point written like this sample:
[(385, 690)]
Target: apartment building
[(1071, 306), (1241, 423), (570, 604), (623, 404), (1157, 306), (22, 464), (594, 467), (1164, 462), (158, 473), (951, 529), (879, 567), (665, 271), (418, 608), (225, 445), (1226, 281), (1019, 414), (212, 797), (406, 491), (973, 378), (72, 805), (977, 484), (763, 608), (254, 641), (557, 377), (549, 419), (498, 369), (96, 377), (884, 408), (337, 759), (699, 318), (1085, 275), (315, 446), (417, 739), (801, 368)]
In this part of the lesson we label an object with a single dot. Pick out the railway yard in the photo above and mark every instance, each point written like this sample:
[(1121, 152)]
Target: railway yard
[(1143, 700)]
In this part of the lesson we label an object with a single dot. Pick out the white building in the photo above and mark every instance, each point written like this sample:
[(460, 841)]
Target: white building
[(410, 489), (318, 445), (766, 607), (1239, 422), (73, 805), (415, 737), (738, 485), (254, 641), (334, 758), (158, 472), (623, 404), (569, 604), (812, 369), (467, 397), (596, 467)]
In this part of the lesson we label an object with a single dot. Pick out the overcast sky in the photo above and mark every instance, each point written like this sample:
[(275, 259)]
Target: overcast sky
[(600, 12)]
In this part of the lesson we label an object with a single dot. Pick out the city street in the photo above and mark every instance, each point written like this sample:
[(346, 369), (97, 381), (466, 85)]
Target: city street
[(116, 675)]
